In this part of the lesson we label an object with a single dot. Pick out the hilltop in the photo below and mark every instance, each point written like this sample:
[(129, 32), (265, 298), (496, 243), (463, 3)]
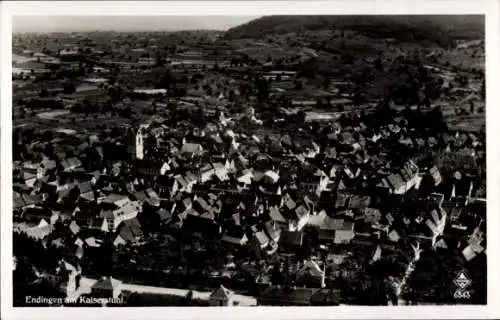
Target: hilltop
[(440, 30)]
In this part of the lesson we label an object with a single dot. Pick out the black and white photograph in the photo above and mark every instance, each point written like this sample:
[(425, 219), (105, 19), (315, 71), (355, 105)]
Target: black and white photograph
[(295, 160)]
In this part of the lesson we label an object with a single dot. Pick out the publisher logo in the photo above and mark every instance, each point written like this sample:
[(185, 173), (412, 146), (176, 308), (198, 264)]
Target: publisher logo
[(462, 281)]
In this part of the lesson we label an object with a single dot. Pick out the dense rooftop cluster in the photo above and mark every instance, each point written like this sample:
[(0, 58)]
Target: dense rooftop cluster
[(228, 171)]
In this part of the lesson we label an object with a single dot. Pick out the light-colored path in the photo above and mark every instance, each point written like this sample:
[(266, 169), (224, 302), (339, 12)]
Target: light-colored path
[(87, 283), (162, 290)]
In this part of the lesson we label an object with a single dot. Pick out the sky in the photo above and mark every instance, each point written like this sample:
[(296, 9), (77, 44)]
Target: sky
[(124, 23)]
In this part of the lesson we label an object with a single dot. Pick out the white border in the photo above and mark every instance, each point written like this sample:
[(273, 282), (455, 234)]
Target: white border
[(488, 7)]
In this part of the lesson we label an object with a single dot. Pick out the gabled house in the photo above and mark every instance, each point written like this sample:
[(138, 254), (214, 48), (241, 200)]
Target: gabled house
[(185, 182), (299, 218), (129, 231), (98, 224), (221, 297), (206, 173), (40, 231), (197, 225), (114, 200), (277, 217), (273, 231), (291, 239), (316, 182), (106, 287), (235, 236), (71, 164), (317, 220), (68, 277), (394, 236), (125, 210), (337, 230), (166, 213), (402, 181), (311, 272), (167, 186), (148, 196), (431, 227), (152, 168), (191, 149), (74, 228), (260, 239), (246, 177), (29, 179)]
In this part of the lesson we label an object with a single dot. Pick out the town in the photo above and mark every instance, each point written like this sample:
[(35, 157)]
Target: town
[(308, 167)]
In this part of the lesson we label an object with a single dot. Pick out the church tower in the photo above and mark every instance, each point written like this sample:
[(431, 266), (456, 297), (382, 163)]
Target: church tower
[(139, 144)]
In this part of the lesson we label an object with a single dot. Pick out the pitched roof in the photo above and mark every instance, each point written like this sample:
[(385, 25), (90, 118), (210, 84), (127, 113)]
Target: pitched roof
[(18, 201), (469, 253), (28, 175), (191, 148), (272, 231), (275, 215), (130, 229), (107, 283), (337, 224), (435, 174), (291, 238), (48, 164), (32, 199), (96, 222), (262, 238), (151, 193), (301, 211), (114, 198), (74, 227), (441, 244), (377, 254), (395, 180), (92, 242), (164, 214), (311, 268), (85, 186), (140, 196), (221, 293), (394, 236), (79, 252), (71, 163), (317, 220)]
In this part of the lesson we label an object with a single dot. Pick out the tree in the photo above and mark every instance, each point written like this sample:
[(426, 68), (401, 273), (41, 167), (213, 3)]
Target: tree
[(462, 80), (262, 89), (126, 113), (167, 81), (69, 88), (435, 120), (483, 89), (326, 83), (298, 85), (378, 65), (301, 116), (44, 93), (231, 95), (115, 93), (209, 91)]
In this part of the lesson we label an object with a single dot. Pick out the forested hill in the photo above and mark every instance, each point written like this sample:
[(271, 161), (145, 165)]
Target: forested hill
[(441, 30)]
